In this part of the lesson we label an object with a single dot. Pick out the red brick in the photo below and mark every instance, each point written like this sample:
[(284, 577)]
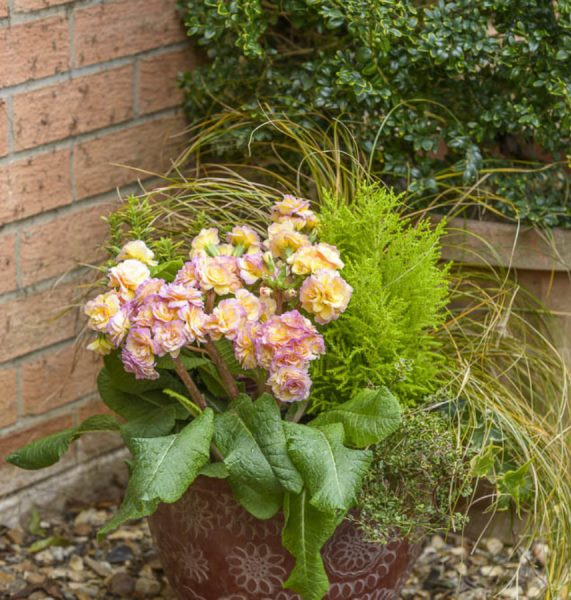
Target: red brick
[(95, 407), (63, 243), (123, 28), (3, 129), (75, 106), (158, 87), (7, 263), (34, 185), (3, 8), (8, 407), (31, 5), (36, 320), (18, 439), (33, 50), (149, 146), (59, 377)]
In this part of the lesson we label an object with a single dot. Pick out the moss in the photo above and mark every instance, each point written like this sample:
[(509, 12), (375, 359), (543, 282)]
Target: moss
[(416, 479)]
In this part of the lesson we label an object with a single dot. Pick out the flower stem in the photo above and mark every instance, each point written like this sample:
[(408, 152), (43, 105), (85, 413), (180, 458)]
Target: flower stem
[(300, 411), (194, 392), (227, 378), (196, 395)]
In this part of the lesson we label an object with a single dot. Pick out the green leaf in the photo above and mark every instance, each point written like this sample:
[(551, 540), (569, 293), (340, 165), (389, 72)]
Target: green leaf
[(306, 530), (156, 423), (167, 270), (163, 469), (332, 473), (190, 362), (97, 423), (44, 452), (124, 404), (215, 470), (251, 474), (482, 465), (517, 485), (126, 382), (368, 418), (48, 450)]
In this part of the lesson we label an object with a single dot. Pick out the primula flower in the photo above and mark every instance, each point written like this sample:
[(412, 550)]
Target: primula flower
[(325, 295), (296, 211), (195, 323), (101, 345), (139, 251), (169, 338), (218, 273), (288, 206), (160, 309), (101, 309), (310, 259), (284, 240), (128, 275), (245, 345), (244, 237), (205, 243), (226, 319), (290, 384), (288, 333), (118, 327), (150, 287), (137, 355), (252, 267), (250, 303), (178, 295), (187, 274)]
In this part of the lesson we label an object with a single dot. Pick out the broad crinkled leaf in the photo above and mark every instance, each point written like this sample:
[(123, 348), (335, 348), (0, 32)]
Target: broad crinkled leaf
[(124, 404), (155, 423), (244, 438), (306, 530), (332, 473), (163, 468), (368, 418), (48, 450)]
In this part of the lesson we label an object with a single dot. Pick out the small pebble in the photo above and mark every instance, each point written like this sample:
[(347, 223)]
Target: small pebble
[(121, 584), (145, 587), (494, 546)]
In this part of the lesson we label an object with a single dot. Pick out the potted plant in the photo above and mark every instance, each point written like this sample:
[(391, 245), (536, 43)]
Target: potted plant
[(254, 372)]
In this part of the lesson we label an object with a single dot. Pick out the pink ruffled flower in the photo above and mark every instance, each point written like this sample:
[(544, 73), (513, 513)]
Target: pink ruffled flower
[(137, 355), (169, 338), (289, 333), (250, 303), (118, 327), (244, 237), (187, 275), (290, 384), (195, 323), (252, 267), (226, 319), (245, 345), (178, 295), (150, 287), (325, 295), (218, 273)]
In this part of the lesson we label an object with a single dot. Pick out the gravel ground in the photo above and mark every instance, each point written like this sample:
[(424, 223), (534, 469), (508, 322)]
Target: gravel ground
[(59, 558)]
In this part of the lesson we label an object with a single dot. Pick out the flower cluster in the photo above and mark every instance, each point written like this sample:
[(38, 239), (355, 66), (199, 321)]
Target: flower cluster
[(240, 288)]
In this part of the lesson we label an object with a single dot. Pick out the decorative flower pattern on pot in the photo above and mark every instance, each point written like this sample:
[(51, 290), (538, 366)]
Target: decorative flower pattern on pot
[(233, 556)]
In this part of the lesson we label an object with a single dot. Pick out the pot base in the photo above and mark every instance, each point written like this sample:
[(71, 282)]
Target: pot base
[(212, 549)]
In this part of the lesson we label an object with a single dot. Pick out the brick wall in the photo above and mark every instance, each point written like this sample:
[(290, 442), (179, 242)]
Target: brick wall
[(82, 85)]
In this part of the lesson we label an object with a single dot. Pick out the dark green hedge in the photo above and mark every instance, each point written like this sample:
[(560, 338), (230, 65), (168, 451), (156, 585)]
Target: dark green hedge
[(488, 78)]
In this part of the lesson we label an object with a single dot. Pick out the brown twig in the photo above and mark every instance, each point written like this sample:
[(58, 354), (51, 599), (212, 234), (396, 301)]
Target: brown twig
[(194, 392), (227, 378), (196, 395)]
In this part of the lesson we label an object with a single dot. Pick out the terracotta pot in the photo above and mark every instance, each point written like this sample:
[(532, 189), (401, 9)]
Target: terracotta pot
[(212, 549)]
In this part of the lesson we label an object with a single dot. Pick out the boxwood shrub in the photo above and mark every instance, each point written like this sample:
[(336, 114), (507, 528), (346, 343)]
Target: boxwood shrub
[(449, 84)]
